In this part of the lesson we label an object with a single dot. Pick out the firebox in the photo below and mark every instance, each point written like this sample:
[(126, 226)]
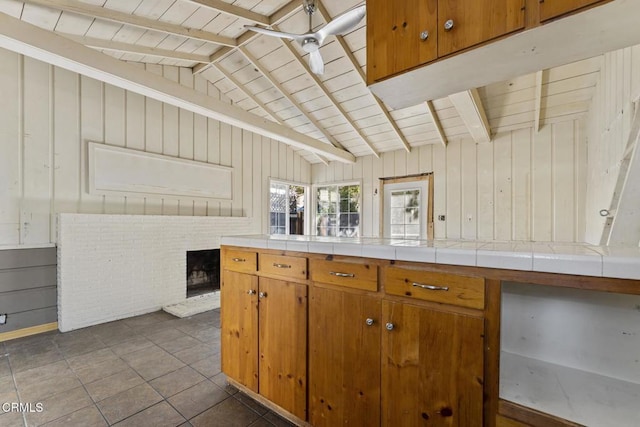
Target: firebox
[(203, 272)]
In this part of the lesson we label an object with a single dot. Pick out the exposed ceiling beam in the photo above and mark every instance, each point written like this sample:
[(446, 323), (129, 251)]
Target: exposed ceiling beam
[(436, 123), (258, 102), (92, 11), (135, 48), (356, 66), (329, 95), (280, 15), (538, 101), (43, 45), (470, 108), (236, 11), (254, 61)]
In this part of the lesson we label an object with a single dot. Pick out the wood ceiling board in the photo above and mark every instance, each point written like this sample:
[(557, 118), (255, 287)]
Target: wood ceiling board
[(586, 66), (504, 110), (351, 92), (43, 17), (103, 29), (585, 81), (129, 35), (507, 86), (12, 8), (179, 12), (121, 6), (341, 82), (73, 24), (153, 9)]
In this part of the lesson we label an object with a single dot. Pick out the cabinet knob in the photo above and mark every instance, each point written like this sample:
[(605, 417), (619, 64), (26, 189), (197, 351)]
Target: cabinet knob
[(262, 295), (448, 26), (251, 292), (369, 321), (424, 35), (389, 326)]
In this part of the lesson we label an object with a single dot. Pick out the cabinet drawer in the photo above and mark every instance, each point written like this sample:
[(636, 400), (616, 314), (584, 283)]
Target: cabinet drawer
[(282, 265), (240, 261), (437, 287), (350, 275)]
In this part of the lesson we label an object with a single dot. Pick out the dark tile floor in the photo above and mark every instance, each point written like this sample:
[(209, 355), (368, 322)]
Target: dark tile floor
[(151, 370)]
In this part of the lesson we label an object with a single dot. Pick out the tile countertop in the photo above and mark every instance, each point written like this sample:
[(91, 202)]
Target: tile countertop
[(568, 258)]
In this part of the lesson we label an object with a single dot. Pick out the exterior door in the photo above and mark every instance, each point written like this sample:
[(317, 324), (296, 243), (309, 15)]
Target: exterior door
[(344, 363), (432, 367), (405, 210), (239, 323)]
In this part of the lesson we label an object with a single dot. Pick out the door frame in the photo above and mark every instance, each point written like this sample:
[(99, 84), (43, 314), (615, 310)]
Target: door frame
[(408, 179)]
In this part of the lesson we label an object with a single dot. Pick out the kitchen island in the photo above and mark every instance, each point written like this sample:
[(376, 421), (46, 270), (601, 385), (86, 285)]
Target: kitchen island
[(378, 332)]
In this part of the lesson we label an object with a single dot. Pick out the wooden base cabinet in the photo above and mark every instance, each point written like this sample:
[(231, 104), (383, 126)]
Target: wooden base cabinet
[(264, 338), (239, 320), (344, 359), (432, 367)]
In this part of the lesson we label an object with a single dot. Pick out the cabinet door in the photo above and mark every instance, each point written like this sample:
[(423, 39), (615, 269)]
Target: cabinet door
[(283, 344), (393, 36), (344, 359), (553, 8), (476, 21), (432, 367), (239, 324)]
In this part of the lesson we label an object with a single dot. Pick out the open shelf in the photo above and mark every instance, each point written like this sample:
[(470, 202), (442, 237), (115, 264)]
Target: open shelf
[(579, 396)]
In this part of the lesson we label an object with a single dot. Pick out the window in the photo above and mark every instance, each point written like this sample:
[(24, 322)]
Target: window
[(407, 207), (338, 210), (286, 208)]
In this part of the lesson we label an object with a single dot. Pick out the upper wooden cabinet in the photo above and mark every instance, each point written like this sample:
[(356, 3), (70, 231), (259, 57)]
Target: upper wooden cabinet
[(466, 23), (400, 35), (408, 33), (550, 9)]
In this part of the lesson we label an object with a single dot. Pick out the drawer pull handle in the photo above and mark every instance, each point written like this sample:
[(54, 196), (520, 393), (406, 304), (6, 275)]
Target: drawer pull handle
[(276, 265), (337, 274), (262, 295), (251, 292), (238, 259), (369, 321), (430, 287)]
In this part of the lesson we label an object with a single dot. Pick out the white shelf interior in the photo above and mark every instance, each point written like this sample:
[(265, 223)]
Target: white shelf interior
[(579, 396), (572, 353)]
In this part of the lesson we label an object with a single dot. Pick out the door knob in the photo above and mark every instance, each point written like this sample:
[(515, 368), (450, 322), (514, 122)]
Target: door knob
[(448, 26), (369, 321), (262, 295), (389, 326), (251, 292), (424, 35)]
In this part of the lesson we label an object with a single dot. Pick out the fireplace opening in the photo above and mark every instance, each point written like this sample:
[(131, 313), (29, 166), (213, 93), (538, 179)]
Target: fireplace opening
[(203, 272)]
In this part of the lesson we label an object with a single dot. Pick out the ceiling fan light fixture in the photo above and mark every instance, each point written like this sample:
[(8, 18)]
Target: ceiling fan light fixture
[(310, 44)]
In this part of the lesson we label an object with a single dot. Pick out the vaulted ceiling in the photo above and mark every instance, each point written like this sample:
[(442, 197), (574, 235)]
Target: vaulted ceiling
[(270, 77)]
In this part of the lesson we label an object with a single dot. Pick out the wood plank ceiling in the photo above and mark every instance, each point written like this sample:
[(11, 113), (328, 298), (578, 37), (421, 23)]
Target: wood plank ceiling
[(271, 78)]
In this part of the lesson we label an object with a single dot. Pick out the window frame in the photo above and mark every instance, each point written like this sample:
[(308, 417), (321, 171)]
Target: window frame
[(348, 183), (407, 180), (307, 214)]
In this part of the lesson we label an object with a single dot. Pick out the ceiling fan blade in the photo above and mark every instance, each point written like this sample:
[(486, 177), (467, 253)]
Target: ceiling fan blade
[(316, 63), (342, 23), (273, 33)]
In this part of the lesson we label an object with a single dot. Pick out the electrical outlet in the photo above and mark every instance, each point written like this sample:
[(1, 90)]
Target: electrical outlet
[(440, 217), (3, 319)]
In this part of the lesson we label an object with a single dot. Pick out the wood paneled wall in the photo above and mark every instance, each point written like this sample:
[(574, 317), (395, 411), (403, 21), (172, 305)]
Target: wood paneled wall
[(522, 186), (48, 114), (609, 123)]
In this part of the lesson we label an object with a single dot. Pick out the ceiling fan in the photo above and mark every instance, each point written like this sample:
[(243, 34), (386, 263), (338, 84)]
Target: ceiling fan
[(311, 41)]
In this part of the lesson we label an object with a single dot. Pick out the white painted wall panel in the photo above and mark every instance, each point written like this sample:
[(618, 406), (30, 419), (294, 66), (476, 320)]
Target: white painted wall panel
[(609, 122), (48, 115), (510, 189)]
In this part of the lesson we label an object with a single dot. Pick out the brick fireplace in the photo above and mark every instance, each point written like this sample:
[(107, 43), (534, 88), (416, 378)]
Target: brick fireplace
[(116, 266)]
